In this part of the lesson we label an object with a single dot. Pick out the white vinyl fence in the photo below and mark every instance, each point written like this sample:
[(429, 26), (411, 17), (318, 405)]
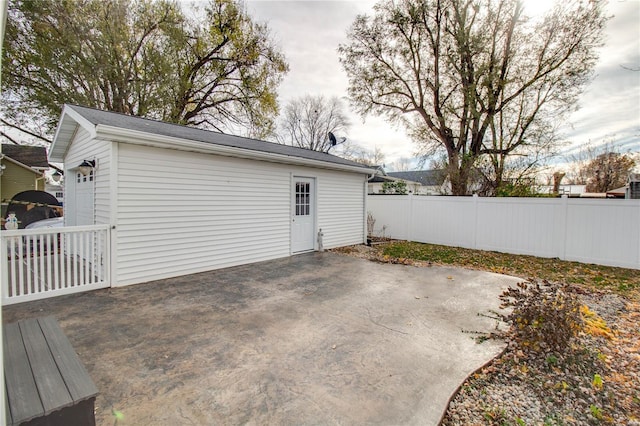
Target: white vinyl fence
[(42, 263), (601, 231)]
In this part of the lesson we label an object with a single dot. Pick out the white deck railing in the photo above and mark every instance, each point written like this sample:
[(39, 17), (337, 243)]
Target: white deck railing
[(43, 263)]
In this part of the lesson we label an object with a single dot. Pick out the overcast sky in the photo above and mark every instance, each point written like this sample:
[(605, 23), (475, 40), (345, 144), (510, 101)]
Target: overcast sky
[(309, 32)]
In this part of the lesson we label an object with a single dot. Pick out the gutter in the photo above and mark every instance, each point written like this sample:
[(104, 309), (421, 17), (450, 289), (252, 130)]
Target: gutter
[(143, 138)]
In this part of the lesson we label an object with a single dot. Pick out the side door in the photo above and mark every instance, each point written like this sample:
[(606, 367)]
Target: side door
[(303, 209)]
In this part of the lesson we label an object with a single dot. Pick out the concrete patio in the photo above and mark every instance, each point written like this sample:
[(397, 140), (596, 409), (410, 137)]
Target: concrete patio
[(312, 339)]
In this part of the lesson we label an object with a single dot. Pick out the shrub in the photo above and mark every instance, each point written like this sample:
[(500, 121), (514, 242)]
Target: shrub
[(543, 316)]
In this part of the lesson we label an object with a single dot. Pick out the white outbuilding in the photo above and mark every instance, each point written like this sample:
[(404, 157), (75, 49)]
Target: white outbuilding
[(180, 200)]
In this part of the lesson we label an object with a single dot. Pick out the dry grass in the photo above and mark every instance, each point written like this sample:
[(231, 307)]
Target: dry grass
[(620, 280)]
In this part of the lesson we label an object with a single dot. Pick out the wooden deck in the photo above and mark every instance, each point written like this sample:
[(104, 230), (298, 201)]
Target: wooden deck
[(46, 383)]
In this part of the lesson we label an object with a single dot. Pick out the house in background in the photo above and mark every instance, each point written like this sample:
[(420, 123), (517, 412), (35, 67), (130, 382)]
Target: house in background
[(180, 200), (618, 192), (419, 182), (376, 183), (22, 168), (633, 187), (56, 189), (568, 190), (55, 184), (423, 182)]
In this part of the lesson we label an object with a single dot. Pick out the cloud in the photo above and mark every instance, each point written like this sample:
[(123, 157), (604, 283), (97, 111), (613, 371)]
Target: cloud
[(610, 106), (309, 33)]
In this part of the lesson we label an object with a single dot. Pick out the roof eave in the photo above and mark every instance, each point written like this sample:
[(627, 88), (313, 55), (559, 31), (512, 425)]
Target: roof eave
[(24, 166), (65, 132), (149, 139)]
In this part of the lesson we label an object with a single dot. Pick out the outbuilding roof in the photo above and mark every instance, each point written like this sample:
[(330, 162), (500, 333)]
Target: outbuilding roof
[(95, 120)]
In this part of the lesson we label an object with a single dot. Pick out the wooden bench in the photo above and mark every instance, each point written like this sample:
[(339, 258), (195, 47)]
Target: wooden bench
[(46, 383)]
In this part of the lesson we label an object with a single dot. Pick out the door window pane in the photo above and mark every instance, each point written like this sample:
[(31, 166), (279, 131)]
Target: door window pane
[(303, 199)]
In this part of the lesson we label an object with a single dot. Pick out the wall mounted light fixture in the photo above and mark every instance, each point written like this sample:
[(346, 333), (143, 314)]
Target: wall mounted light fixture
[(86, 166)]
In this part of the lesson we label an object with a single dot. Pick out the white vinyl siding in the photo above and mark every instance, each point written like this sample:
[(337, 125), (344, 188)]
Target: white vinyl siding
[(181, 212), (341, 208), (84, 148)]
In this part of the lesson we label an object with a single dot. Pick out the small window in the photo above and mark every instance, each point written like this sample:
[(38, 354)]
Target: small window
[(303, 199)]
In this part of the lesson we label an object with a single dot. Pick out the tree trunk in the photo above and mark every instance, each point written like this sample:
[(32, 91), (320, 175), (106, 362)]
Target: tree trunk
[(458, 174)]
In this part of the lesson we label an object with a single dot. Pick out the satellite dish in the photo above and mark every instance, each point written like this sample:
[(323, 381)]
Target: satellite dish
[(333, 139)]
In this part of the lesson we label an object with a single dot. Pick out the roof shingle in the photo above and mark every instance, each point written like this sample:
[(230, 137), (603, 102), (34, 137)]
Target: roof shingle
[(425, 177), (113, 119), (32, 156)]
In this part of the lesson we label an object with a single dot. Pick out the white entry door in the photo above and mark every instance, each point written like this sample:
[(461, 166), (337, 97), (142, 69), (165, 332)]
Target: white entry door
[(304, 215)]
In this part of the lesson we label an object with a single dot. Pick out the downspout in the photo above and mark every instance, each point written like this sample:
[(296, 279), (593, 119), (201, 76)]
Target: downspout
[(36, 182)]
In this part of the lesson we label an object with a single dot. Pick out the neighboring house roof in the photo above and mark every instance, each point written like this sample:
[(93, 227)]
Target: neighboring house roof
[(31, 156), (113, 124), (4, 157), (380, 179), (618, 192), (424, 177)]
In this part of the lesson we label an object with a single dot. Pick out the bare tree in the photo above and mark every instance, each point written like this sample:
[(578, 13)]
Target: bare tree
[(577, 163), (608, 171), (601, 168), (401, 165), (471, 78), (307, 121), (368, 157)]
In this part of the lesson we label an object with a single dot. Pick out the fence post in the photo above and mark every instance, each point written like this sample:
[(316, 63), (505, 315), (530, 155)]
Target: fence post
[(474, 199), (410, 219), (564, 213)]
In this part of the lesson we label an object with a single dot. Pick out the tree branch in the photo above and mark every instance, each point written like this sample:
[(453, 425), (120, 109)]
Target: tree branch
[(15, 126)]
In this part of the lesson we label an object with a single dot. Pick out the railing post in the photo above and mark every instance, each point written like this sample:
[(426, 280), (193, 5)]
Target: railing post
[(110, 234), (4, 274)]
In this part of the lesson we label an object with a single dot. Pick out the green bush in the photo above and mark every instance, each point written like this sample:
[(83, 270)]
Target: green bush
[(397, 187)]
